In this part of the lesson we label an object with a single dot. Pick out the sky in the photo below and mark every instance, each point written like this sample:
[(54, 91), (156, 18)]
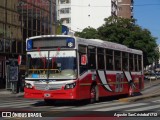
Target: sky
[(147, 14)]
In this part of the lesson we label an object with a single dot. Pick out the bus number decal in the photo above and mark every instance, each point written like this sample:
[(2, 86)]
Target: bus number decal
[(119, 82)]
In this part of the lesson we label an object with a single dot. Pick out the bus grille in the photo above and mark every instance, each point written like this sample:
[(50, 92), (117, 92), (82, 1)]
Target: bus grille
[(48, 86)]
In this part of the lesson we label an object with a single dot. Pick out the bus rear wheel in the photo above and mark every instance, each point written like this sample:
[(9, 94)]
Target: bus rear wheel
[(49, 101), (93, 94), (131, 92)]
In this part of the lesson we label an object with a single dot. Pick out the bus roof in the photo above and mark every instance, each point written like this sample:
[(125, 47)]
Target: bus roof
[(95, 42), (109, 45), (41, 36)]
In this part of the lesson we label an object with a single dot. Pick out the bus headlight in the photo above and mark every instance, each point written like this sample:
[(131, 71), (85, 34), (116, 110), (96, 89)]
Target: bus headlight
[(70, 86), (28, 85)]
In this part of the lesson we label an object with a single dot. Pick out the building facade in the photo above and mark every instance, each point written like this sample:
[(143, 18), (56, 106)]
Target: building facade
[(122, 8), (21, 19), (79, 14)]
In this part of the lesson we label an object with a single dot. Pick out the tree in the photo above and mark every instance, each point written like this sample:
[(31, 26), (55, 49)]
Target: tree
[(126, 32), (88, 33)]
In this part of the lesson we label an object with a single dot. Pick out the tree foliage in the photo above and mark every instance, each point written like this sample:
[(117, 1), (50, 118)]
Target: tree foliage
[(126, 32), (88, 33)]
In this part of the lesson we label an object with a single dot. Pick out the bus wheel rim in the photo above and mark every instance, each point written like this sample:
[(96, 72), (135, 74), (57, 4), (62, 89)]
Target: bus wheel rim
[(130, 91), (93, 93)]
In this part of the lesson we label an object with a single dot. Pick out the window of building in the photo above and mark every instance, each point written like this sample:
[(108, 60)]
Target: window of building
[(65, 10), (119, 0), (66, 20), (65, 1)]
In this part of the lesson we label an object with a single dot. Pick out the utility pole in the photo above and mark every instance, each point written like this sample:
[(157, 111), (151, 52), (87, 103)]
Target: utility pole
[(51, 2), (53, 15)]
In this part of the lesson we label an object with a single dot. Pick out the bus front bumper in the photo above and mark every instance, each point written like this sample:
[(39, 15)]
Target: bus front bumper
[(50, 94)]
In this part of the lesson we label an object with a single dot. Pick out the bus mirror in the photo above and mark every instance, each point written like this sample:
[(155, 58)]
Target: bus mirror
[(83, 59)]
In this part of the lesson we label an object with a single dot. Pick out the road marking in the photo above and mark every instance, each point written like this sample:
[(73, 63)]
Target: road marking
[(18, 101), (120, 107), (59, 108), (95, 106), (156, 101), (144, 108), (12, 104)]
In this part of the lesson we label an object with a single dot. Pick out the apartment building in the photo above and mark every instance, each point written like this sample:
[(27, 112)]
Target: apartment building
[(20, 19), (79, 14), (122, 8)]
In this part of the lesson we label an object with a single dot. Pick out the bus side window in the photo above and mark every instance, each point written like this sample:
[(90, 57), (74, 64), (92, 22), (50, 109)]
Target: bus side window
[(91, 57), (100, 58), (109, 59), (131, 68), (125, 61), (139, 62), (117, 60), (136, 62), (83, 64)]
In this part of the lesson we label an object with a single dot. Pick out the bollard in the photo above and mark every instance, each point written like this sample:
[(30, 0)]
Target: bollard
[(150, 81)]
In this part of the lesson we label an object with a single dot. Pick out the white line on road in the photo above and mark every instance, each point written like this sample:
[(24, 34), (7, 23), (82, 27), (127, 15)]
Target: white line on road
[(144, 108), (120, 107), (13, 104), (156, 101), (97, 105), (60, 108)]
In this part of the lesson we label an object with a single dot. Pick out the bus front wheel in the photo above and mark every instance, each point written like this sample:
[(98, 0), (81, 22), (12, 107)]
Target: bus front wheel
[(49, 101)]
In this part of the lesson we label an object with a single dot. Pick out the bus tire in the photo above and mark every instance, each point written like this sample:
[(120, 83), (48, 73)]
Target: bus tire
[(93, 94), (49, 101), (131, 92)]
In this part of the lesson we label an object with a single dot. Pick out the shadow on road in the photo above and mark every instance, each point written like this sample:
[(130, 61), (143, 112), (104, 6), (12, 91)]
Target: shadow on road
[(80, 102)]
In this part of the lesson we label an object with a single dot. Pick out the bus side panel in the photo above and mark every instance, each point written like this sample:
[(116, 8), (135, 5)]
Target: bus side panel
[(85, 86), (112, 87)]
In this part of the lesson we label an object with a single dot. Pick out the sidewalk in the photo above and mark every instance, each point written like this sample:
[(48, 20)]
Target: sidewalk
[(8, 93)]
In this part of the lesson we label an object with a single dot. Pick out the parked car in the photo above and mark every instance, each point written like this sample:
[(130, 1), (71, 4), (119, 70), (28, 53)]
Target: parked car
[(158, 75), (152, 76)]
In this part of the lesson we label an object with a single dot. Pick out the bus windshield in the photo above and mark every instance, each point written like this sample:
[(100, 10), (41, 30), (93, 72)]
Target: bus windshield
[(51, 65)]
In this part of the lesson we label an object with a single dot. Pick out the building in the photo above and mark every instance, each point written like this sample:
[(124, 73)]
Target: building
[(79, 14), (21, 19), (122, 8), (24, 18)]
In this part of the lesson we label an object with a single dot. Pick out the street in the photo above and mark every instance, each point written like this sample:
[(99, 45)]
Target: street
[(65, 109), (109, 106)]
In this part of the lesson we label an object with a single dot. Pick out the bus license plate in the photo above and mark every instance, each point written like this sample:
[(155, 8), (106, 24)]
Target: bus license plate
[(47, 95)]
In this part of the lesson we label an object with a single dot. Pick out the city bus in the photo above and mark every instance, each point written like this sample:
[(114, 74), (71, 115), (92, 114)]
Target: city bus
[(63, 67)]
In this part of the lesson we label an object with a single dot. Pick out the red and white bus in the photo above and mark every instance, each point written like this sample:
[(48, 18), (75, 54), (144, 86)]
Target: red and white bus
[(63, 67)]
